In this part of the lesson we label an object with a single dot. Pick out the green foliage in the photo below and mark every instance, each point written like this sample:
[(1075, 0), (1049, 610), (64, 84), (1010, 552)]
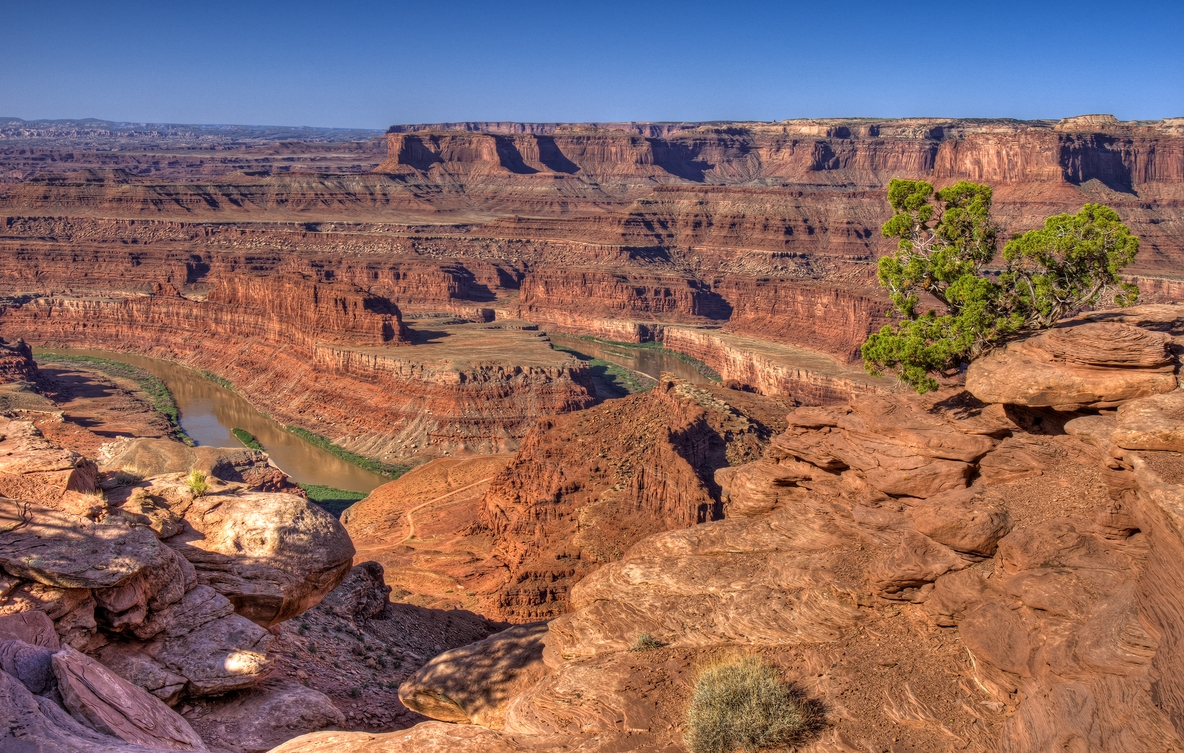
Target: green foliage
[(197, 483), (247, 438), (1070, 263), (945, 240), (333, 500), (375, 466), (744, 705)]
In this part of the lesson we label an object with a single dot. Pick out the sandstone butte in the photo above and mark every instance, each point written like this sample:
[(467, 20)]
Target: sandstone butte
[(996, 566)]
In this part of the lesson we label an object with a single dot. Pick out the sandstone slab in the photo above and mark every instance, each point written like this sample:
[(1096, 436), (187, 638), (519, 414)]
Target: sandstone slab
[(1092, 365), (1153, 423), (66, 551), (428, 737), (113, 706), (270, 714)]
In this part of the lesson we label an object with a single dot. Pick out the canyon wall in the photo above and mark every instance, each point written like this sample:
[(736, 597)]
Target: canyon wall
[(327, 364), (718, 239)]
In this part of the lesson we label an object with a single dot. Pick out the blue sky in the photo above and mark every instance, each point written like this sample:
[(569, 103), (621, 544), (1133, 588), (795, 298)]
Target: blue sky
[(370, 64)]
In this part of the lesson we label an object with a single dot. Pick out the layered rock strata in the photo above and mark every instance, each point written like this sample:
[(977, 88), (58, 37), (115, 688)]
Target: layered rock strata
[(319, 356)]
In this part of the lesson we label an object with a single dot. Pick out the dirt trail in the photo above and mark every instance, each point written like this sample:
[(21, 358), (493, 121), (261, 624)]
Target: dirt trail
[(413, 510)]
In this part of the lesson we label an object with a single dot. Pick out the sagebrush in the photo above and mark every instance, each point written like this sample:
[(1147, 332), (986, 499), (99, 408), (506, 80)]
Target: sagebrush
[(743, 704)]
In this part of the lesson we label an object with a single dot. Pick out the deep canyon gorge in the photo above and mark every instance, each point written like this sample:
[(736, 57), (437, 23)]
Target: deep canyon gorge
[(464, 306)]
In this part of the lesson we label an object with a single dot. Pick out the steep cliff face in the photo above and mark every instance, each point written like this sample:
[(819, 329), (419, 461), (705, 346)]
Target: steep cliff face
[(584, 488)]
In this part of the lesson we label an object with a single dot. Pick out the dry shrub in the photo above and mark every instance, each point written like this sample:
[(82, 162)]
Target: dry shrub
[(646, 642), (197, 483), (742, 704)]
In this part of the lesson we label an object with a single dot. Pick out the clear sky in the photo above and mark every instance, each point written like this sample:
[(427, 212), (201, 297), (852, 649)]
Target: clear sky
[(371, 64)]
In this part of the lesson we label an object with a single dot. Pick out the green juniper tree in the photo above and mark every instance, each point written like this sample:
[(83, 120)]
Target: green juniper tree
[(952, 310)]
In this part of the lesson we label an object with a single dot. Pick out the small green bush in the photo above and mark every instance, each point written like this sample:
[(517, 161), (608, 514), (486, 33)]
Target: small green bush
[(646, 642), (742, 704), (197, 483)]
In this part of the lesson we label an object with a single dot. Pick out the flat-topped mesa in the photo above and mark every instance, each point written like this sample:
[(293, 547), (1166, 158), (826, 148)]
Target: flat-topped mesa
[(1074, 150)]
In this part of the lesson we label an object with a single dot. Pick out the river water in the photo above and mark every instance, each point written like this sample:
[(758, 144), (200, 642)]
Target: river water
[(649, 361), (209, 411)]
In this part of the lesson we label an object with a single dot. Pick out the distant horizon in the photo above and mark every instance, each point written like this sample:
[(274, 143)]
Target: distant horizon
[(369, 64), (117, 122)]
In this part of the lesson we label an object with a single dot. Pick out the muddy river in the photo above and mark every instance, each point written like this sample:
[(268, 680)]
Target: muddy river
[(649, 361), (209, 411)]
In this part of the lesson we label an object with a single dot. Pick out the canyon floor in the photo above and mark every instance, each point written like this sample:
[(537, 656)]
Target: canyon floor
[(619, 361)]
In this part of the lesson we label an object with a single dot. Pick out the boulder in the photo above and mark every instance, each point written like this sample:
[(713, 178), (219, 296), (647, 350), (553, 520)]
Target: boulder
[(272, 555), (1153, 423), (258, 719), (30, 664), (474, 683), (112, 706), (1091, 365), (199, 639)]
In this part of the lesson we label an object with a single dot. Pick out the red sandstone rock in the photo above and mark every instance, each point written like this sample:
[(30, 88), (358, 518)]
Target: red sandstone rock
[(1095, 365)]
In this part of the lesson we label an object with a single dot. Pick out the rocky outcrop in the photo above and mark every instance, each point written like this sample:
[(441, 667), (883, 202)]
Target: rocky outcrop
[(1089, 365), (145, 457), (584, 488), (120, 585), (272, 555), (260, 718), (890, 557), (110, 705), (16, 362)]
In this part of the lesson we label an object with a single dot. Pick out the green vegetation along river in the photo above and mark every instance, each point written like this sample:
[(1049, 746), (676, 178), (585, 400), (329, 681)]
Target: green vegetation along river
[(209, 411)]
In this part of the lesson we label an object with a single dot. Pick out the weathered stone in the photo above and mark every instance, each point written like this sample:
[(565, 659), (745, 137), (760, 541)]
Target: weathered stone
[(1153, 423), (908, 572), (362, 595), (259, 719), (473, 684), (63, 550), (33, 627), (954, 519), (111, 705), (428, 737), (34, 724), (28, 663), (1092, 365), (272, 555)]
